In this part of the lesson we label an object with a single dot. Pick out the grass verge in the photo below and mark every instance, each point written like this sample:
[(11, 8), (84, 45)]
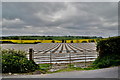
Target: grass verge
[(72, 69)]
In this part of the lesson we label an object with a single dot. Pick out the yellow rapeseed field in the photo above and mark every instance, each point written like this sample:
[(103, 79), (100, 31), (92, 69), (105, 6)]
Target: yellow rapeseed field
[(52, 41)]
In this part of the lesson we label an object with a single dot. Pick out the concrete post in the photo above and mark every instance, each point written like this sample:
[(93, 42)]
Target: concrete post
[(85, 56), (70, 59), (51, 59)]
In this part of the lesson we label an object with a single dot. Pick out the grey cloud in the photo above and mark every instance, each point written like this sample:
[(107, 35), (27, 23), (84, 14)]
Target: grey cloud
[(73, 18)]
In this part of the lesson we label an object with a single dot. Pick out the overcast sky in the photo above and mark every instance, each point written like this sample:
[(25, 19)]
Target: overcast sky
[(58, 18)]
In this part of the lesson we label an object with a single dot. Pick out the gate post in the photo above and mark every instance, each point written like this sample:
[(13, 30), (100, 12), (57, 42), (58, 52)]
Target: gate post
[(30, 54), (98, 54)]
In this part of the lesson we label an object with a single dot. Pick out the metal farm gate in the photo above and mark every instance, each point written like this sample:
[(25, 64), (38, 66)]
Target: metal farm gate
[(61, 59)]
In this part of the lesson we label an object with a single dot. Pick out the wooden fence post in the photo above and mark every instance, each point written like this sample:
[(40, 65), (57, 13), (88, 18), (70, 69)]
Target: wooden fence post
[(30, 54)]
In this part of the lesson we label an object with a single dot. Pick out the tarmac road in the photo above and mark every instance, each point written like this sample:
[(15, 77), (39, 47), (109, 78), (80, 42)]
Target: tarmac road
[(100, 73)]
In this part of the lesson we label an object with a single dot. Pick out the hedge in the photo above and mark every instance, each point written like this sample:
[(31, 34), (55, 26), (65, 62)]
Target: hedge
[(109, 52), (16, 62)]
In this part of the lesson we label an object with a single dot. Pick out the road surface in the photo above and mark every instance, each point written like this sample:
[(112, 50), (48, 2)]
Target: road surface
[(100, 73)]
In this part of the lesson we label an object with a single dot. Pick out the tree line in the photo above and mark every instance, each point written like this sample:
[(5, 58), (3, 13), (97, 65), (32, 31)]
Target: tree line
[(49, 37)]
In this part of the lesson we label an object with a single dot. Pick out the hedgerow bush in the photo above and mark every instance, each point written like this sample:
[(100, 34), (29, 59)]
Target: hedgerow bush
[(16, 62), (109, 52)]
